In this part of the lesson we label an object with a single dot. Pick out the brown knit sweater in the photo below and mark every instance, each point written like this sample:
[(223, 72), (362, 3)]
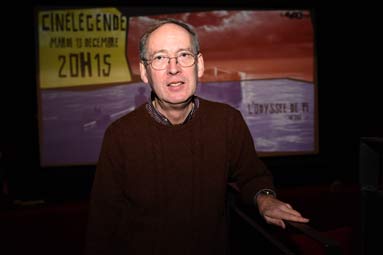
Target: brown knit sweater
[(161, 190)]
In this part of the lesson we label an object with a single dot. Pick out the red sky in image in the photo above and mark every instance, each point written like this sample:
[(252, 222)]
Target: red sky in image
[(261, 44)]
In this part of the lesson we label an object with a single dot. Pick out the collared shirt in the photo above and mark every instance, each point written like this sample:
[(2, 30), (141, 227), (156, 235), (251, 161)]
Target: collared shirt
[(160, 118)]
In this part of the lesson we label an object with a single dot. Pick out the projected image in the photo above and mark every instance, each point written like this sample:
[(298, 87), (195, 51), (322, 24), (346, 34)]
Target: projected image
[(260, 62)]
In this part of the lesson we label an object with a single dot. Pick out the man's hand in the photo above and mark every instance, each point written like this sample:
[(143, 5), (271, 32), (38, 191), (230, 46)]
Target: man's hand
[(275, 211)]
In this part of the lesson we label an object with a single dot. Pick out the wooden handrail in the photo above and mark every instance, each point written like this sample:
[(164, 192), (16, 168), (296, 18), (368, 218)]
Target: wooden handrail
[(275, 242), (249, 215), (330, 246)]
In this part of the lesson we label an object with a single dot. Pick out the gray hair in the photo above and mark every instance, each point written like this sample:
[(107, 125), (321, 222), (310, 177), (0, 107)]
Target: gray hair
[(187, 27)]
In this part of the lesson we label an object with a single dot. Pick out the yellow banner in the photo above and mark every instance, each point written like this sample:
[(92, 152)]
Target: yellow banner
[(82, 47)]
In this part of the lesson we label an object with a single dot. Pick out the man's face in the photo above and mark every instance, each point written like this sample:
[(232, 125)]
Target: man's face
[(175, 84)]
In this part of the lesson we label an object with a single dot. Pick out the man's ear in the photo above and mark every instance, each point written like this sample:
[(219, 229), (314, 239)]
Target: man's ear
[(143, 73), (200, 65)]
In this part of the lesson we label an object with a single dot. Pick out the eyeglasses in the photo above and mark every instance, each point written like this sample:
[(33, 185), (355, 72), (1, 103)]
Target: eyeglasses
[(161, 62)]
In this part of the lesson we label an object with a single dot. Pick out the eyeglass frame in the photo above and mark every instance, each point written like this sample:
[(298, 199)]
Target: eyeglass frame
[(149, 62)]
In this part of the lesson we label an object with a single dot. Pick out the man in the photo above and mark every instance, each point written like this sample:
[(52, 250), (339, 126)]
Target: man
[(163, 169)]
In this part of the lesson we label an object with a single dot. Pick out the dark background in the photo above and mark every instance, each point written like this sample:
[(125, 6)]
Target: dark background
[(348, 99)]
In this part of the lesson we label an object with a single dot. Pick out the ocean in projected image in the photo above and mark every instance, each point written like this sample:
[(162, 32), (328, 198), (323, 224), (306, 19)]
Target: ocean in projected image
[(279, 113)]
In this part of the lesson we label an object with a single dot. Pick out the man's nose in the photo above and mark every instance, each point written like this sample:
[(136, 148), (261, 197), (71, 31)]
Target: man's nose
[(173, 65)]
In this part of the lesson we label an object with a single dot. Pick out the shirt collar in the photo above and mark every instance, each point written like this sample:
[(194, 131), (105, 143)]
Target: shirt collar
[(160, 118)]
